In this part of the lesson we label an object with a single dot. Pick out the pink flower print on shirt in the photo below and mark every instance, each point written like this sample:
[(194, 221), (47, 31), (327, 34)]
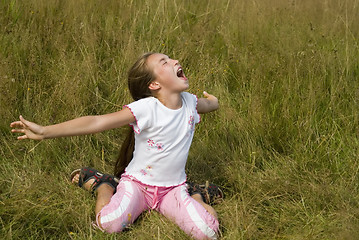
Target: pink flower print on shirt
[(150, 142), (143, 172), (191, 121), (152, 145), (159, 146), (147, 171)]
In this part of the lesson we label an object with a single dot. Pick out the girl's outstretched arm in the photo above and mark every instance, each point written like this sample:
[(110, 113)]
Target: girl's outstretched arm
[(207, 104), (79, 126)]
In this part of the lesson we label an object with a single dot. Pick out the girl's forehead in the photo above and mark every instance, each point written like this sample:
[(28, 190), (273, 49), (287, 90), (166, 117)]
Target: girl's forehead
[(157, 58)]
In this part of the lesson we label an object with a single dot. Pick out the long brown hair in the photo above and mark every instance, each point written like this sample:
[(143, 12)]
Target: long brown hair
[(139, 78)]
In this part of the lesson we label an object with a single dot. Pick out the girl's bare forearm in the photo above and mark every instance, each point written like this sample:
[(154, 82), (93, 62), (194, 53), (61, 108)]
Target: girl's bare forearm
[(76, 127), (89, 124), (208, 104)]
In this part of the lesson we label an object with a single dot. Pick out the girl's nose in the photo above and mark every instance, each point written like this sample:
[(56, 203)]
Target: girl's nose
[(175, 62)]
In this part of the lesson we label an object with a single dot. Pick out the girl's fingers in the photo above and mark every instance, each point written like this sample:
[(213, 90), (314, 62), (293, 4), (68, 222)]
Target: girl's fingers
[(16, 124), (18, 130), (22, 123), (207, 95), (22, 137), (21, 126), (23, 120)]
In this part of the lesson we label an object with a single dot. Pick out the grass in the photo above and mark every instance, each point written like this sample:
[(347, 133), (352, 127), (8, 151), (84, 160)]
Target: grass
[(284, 144)]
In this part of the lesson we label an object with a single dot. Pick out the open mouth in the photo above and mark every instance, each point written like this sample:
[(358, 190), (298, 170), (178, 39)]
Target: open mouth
[(180, 73)]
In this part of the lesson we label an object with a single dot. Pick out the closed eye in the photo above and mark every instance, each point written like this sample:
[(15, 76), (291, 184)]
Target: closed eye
[(164, 60)]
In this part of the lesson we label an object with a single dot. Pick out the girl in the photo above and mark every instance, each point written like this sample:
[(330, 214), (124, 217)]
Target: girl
[(163, 119)]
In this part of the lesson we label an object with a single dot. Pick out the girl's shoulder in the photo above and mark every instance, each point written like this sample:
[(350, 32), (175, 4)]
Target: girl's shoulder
[(189, 97), (143, 105), (187, 94), (143, 101)]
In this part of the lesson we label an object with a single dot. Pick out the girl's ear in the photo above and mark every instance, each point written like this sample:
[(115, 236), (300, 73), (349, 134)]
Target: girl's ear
[(154, 86)]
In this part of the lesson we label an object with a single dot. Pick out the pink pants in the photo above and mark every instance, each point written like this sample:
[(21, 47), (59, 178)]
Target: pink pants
[(133, 197)]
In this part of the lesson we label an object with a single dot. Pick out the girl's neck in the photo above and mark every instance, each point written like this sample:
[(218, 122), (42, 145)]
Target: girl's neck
[(173, 101)]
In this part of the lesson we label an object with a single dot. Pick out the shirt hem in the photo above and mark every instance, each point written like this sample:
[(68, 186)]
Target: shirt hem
[(152, 185)]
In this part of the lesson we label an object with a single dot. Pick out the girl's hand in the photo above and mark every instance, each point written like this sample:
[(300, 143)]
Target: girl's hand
[(29, 129), (207, 104), (210, 97)]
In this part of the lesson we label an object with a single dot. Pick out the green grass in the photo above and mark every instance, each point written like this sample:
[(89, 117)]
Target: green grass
[(284, 143)]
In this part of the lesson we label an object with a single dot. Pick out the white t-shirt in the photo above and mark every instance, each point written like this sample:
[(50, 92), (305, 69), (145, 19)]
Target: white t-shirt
[(163, 137)]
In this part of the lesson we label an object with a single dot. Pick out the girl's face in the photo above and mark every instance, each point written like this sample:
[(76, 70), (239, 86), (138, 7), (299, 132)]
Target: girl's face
[(168, 73)]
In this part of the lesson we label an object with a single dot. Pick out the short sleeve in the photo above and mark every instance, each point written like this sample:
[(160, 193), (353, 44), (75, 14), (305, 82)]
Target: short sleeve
[(192, 102), (142, 112)]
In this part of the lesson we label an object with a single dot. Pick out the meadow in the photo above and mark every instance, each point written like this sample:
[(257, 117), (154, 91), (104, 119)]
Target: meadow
[(284, 144)]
